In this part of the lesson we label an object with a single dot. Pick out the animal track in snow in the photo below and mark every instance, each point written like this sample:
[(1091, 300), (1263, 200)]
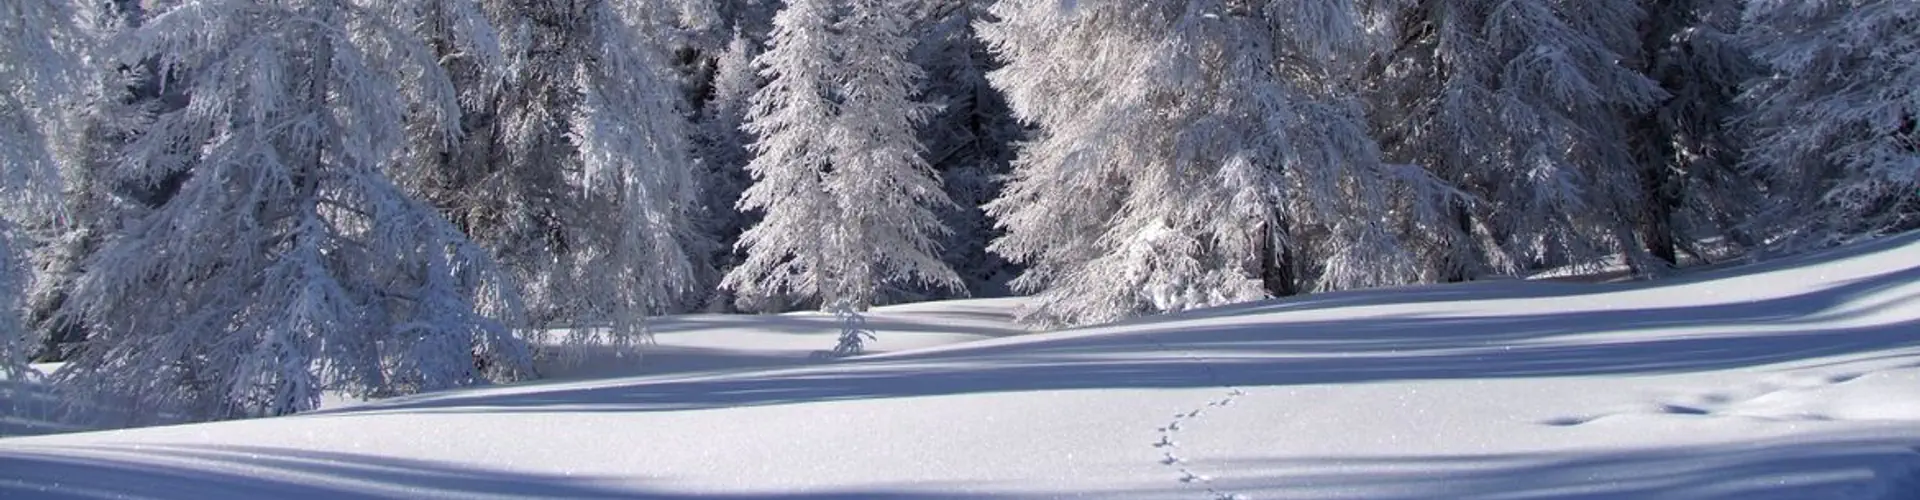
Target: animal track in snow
[(1182, 421)]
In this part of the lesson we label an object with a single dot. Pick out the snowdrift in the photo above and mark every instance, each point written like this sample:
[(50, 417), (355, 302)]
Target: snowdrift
[(1795, 378)]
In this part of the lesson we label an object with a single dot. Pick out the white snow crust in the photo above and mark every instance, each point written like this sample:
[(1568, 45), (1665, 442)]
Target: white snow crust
[(1790, 379)]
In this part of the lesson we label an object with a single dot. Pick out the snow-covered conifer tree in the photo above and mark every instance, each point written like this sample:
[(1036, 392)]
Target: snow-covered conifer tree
[(287, 262), (791, 157), (634, 140), (1188, 154), (574, 167), (847, 201), (504, 179), (41, 57), (1522, 104), (887, 194), (1835, 121)]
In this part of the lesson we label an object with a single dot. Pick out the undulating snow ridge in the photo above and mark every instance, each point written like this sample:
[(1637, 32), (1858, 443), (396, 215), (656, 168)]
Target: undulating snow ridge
[(1788, 397), (1791, 379)]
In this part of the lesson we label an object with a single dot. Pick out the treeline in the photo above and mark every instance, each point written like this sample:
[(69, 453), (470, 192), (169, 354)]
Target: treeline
[(224, 208)]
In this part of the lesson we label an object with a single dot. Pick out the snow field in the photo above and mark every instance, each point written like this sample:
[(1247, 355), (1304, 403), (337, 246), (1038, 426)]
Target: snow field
[(1790, 379)]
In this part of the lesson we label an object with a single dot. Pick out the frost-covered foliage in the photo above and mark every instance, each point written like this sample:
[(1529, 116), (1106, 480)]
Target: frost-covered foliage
[(249, 202), (847, 201), (107, 107), (789, 115), (634, 146), (573, 167), (1521, 104), (970, 141), (40, 62), (504, 179), (1188, 154), (287, 263), (44, 49), (1834, 119)]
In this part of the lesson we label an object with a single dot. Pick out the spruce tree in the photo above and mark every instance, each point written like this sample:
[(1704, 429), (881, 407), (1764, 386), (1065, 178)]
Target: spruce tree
[(573, 166), (288, 262), (1835, 121), (1522, 106), (1189, 154), (846, 199)]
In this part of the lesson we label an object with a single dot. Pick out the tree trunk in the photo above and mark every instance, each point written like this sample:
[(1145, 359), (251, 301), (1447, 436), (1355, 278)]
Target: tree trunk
[(1653, 134), (1656, 217), (1462, 267), (1277, 273)]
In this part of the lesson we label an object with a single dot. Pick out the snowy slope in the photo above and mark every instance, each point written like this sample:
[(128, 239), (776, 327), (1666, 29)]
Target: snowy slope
[(700, 342), (1797, 378), (684, 343)]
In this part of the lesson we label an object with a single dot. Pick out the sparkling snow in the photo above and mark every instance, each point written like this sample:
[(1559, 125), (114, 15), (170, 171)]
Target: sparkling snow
[(1796, 378)]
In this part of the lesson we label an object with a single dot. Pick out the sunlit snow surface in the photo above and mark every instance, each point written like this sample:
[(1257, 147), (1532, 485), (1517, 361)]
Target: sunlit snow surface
[(1796, 378)]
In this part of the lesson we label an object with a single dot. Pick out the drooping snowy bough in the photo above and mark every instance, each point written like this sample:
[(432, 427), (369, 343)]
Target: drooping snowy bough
[(40, 62), (1193, 153), (288, 263), (1836, 120)]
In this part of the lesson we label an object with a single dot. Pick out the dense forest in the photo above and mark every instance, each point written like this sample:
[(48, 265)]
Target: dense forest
[(221, 209)]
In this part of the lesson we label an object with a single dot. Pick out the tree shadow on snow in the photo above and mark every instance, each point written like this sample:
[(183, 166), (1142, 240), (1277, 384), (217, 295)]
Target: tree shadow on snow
[(1853, 468), (1274, 351), (811, 323), (195, 472)]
